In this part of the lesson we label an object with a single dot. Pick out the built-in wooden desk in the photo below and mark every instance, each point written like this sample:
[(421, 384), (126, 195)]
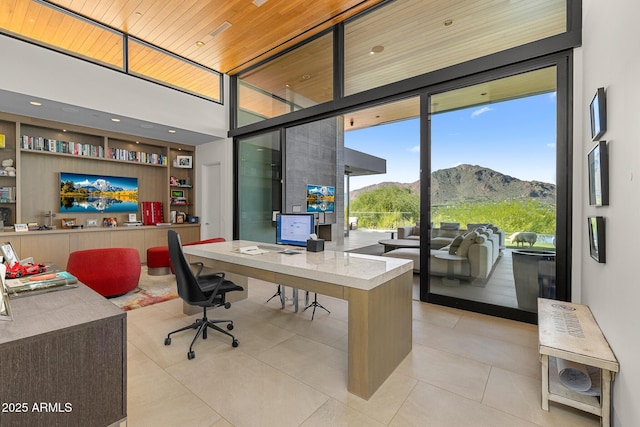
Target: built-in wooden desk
[(63, 360), (379, 292)]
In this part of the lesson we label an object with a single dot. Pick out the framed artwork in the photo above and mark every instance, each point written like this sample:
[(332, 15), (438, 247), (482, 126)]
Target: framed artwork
[(184, 162), (21, 227), (320, 198), (598, 159), (68, 222), (110, 222), (177, 193), (8, 254), (133, 217), (97, 194), (92, 222), (598, 113), (597, 238)]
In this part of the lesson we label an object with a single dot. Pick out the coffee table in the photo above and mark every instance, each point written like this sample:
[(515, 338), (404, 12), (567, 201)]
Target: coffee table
[(390, 244)]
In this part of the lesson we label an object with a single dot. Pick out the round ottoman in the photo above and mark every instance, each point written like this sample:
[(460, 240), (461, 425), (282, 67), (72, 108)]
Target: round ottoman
[(158, 261), (109, 271)]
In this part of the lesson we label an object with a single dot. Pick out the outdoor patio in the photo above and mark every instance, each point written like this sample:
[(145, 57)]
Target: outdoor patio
[(499, 288)]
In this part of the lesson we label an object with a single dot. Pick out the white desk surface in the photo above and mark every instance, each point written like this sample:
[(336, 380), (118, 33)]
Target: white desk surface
[(341, 268)]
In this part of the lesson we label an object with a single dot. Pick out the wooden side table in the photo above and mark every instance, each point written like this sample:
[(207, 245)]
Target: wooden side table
[(569, 331)]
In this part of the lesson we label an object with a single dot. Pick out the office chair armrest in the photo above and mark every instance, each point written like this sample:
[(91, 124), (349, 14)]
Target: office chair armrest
[(200, 267)]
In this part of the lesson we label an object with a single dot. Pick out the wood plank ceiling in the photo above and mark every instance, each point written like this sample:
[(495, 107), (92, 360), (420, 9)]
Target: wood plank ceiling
[(255, 32)]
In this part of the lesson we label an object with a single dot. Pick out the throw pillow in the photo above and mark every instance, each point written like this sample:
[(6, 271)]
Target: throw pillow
[(416, 230), (469, 239), (481, 239), (453, 248)]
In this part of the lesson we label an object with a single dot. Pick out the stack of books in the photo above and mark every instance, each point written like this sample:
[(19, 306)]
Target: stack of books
[(37, 283)]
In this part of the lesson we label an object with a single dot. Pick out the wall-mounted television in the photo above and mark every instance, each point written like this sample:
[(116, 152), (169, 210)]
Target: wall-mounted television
[(596, 238), (84, 193), (598, 113), (294, 228), (598, 162), (320, 198)]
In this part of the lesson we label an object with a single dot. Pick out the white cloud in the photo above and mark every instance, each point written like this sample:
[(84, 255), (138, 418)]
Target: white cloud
[(551, 145), (482, 110), (415, 149)]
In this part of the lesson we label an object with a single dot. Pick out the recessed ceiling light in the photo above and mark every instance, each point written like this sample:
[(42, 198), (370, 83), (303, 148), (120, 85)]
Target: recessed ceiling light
[(115, 120), (448, 22), (259, 2), (146, 126), (199, 43), (138, 14), (172, 131), (36, 103), (137, 142), (64, 130), (376, 49), (306, 77)]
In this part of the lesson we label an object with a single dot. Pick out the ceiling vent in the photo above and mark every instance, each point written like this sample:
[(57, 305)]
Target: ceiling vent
[(221, 28)]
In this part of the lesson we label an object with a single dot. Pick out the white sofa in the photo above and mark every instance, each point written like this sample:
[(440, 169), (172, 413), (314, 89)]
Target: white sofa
[(439, 237), (478, 249)]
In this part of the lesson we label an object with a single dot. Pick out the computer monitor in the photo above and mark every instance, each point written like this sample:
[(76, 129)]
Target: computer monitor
[(294, 228)]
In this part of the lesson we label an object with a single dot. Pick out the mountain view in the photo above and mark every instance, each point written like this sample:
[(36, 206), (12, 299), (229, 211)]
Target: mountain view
[(471, 183), (99, 185)]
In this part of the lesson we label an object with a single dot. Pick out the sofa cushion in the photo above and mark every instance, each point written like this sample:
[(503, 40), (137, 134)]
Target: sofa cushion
[(453, 248), (406, 253), (468, 240), (450, 226), (416, 230)]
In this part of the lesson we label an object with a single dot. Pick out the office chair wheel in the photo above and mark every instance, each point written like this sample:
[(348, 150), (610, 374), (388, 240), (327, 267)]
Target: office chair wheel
[(230, 326), (167, 341), (191, 355), (235, 343), (227, 305)]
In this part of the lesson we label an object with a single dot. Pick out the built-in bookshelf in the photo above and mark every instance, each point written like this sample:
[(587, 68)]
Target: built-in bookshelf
[(181, 185), (42, 149)]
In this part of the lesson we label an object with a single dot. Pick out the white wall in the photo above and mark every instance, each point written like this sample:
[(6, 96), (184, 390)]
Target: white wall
[(33, 70), (609, 58)]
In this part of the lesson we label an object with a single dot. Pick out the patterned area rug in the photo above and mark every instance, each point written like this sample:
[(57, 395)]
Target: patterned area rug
[(150, 290)]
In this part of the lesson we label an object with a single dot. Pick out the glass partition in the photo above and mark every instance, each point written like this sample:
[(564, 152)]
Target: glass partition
[(151, 63), (295, 80), (412, 37), (50, 26), (259, 186)]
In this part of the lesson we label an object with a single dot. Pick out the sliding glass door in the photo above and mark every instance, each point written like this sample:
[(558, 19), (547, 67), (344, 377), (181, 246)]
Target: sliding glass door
[(492, 202)]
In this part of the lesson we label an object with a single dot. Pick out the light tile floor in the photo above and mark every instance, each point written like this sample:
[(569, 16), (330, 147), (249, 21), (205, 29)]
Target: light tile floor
[(465, 369)]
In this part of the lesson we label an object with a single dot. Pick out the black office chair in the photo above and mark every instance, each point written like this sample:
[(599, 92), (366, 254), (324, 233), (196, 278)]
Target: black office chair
[(201, 290)]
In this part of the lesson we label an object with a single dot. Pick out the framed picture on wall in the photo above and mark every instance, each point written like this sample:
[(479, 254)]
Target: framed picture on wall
[(597, 238), (598, 112), (184, 162), (598, 159)]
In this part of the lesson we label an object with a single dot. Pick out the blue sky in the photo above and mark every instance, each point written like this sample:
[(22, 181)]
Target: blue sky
[(516, 137)]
